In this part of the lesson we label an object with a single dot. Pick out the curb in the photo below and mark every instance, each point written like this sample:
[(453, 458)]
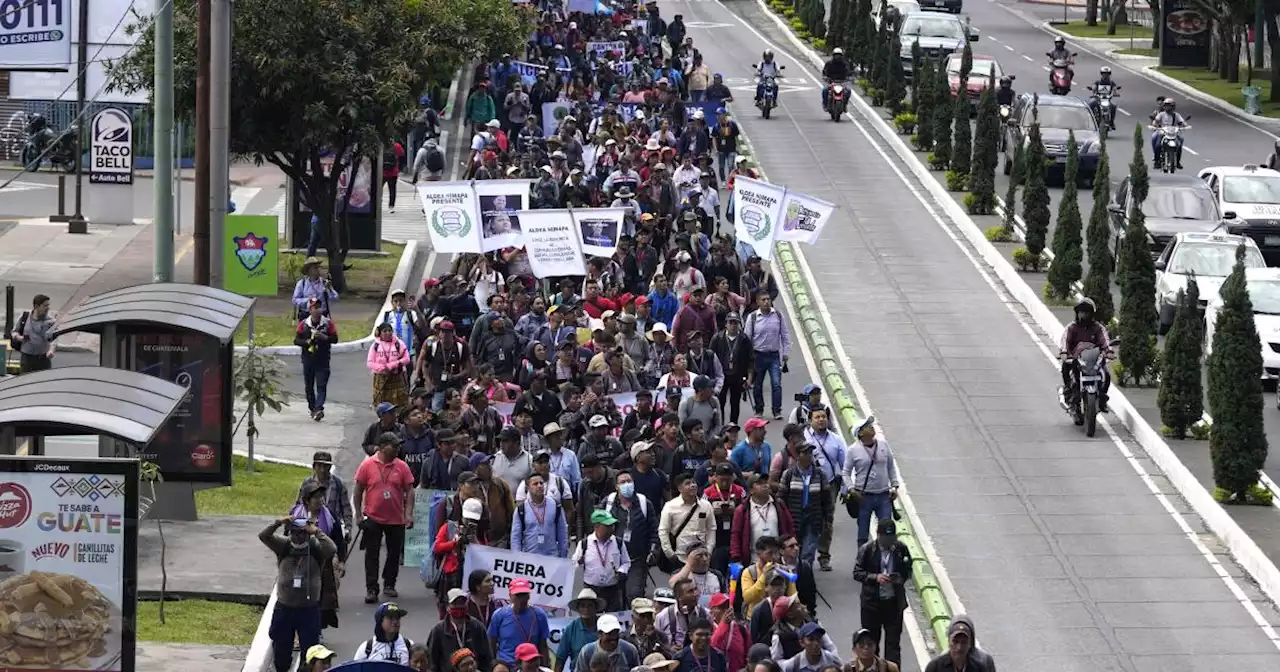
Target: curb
[(1268, 124), (1092, 41), (1241, 547), (453, 95), (271, 460), (400, 279), (259, 657)]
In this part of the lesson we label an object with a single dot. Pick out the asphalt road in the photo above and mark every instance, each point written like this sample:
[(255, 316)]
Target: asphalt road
[(1053, 543)]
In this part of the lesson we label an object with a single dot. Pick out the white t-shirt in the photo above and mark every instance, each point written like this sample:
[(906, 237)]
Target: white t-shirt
[(397, 651)]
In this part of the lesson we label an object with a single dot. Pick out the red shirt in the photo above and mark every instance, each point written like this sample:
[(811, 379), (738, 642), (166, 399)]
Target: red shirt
[(394, 171), (596, 307), (385, 485)]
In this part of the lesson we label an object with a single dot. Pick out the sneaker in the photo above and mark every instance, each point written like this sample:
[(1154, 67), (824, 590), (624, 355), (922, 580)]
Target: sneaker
[(777, 415), (371, 596), (824, 565), (390, 591), (391, 211), (320, 415)]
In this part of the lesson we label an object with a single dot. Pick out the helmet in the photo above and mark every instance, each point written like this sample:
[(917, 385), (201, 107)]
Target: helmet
[(837, 52), (1059, 40), (1105, 70), (1006, 81), (1086, 305), (768, 54), (1167, 103)]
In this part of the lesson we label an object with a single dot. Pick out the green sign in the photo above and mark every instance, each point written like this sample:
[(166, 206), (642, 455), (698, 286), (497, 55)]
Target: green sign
[(252, 258)]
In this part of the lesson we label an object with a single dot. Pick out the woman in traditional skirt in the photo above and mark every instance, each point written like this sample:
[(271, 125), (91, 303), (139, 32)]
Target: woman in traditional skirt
[(389, 362)]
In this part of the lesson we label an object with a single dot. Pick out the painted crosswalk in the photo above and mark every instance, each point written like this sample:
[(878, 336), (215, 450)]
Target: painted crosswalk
[(406, 222)]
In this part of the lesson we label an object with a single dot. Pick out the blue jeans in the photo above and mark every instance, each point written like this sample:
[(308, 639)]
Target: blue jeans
[(314, 241), (772, 363), (727, 161), (809, 535), (315, 381), (697, 96), (285, 623), (878, 503)]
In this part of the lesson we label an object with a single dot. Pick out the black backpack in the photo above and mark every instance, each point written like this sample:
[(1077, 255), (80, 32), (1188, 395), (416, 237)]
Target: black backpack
[(389, 159), (14, 344), (435, 160)]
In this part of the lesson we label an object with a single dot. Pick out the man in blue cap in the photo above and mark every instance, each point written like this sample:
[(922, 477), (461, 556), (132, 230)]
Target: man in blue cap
[(810, 399), (386, 422)]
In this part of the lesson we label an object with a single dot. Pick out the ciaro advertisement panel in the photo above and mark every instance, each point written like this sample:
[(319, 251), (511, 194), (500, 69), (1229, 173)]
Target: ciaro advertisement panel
[(68, 563)]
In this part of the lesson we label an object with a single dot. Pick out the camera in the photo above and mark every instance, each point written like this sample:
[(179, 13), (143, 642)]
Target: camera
[(801, 397)]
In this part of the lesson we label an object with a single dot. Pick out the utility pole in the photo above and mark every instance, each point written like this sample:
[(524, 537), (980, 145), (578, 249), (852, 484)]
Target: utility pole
[(200, 232), (77, 224), (219, 138), (162, 182)]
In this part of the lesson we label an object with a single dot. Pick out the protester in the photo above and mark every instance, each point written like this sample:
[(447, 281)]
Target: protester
[(699, 655), (870, 478), (518, 623), (300, 560), (458, 631), (581, 631), (619, 654), (387, 643), (384, 489), (316, 335), (319, 658), (336, 498), (883, 567), (312, 508)]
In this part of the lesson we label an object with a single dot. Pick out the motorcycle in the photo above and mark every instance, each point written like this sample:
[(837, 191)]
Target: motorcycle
[(37, 149), (1168, 147), (837, 100), (1089, 370), (1104, 109), (1060, 75), (768, 93)]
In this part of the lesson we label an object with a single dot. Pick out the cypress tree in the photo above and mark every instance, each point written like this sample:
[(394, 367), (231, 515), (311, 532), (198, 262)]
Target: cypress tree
[(1237, 442), (1097, 282), (836, 28), (860, 33), (982, 176), (1181, 395), (1035, 196), (962, 133), (941, 117), (895, 88), (1068, 252), (925, 104), (1011, 195), (879, 45), (915, 78), (1137, 279), (818, 19)]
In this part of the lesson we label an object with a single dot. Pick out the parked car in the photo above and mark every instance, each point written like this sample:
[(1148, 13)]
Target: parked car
[(1264, 294), (1058, 116), (1249, 198), (979, 75), (938, 35), (904, 8), (1175, 204), (1211, 256)]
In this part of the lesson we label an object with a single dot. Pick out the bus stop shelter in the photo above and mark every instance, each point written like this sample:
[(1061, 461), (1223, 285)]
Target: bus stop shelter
[(86, 400)]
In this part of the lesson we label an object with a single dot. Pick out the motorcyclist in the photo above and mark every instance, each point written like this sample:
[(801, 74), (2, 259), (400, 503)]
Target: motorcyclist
[(38, 130), (1104, 85), (767, 68), (836, 71), (1060, 52), (1167, 115), (1004, 93), (1083, 332)]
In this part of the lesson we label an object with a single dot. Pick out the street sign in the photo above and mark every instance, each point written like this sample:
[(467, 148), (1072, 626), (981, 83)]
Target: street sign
[(35, 35), (251, 261), (111, 147)]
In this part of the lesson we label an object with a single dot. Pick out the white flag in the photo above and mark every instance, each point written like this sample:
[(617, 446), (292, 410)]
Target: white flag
[(803, 217), (451, 216), (600, 228), (757, 213), (498, 202), (552, 243)]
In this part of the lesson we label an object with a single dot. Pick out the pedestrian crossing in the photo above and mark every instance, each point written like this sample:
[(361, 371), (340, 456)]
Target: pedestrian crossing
[(22, 185)]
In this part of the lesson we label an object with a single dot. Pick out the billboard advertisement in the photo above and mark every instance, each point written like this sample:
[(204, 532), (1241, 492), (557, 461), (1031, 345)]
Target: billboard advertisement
[(108, 39), (35, 34), (195, 444), (252, 259), (1185, 37), (110, 147), (68, 563)]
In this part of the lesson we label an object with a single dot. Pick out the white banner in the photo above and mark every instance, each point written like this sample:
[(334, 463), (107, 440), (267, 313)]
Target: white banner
[(528, 71), (757, 208), (451, 216), (552, 578), (803, 217), (600, 228), (498, 201), (602, 48), (36, 35), (552, 243)]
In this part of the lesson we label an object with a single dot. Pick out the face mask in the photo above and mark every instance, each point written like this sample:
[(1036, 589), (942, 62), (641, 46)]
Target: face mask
[(457, 612), (627, 490)]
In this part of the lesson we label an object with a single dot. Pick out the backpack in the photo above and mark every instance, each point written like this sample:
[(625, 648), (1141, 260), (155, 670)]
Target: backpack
[(389, 159), (22, 324), (368, 646), (435, 160), (613, 497), (554, 521)]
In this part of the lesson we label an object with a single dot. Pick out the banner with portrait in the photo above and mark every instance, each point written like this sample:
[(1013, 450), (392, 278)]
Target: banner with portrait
[(552, 242), (552, 113), (600, 229), (498, 201), (452, 217), (803, 217)]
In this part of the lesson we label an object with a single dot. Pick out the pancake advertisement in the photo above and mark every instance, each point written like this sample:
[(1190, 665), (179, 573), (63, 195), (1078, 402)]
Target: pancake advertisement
[(67, 542)]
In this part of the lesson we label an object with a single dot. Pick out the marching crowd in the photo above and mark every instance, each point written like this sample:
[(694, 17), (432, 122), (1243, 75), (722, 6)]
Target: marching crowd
[(503, 391)]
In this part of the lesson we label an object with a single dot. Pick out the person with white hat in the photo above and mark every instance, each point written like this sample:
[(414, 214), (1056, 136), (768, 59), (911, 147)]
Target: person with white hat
[(452, 540), (621, 654), (581, 631), (456, 631)]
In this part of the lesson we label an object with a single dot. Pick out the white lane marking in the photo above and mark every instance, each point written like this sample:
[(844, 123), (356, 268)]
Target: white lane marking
[(1008, 47), (1123, 111), (1010, 303), (1028, 58), (1045, 68), (1192, 151)]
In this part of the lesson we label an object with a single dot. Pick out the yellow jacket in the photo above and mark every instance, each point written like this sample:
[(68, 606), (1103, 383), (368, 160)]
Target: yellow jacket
[(753, 583)]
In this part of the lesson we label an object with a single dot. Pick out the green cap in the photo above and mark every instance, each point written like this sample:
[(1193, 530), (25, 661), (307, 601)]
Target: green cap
[(599, 517)]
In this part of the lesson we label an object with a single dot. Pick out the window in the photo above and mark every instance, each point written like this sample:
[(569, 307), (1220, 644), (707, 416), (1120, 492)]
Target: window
[(1265, 295), (1180, 203), (1212, 259), (1251, 189), (932, 26)]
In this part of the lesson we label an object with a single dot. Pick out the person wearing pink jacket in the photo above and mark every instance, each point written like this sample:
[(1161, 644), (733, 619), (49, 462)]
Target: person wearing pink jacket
[(389, 362)]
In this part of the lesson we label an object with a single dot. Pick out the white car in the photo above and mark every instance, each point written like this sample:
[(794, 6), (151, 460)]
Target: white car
[(1249, 199), (1211, 256), (1264, 293)]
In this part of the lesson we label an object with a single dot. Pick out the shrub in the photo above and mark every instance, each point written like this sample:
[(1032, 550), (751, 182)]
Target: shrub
[(820, 44), (906, 123), (937, 162), (1181, 396), (957, 181), (1028, 262), (995, 234)]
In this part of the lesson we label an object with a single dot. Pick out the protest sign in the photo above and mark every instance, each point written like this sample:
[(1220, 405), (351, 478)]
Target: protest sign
[(552, 243), (757, 209), (603, 48), (552, 113), (419, 540), (528, 71), (498, 201), (599, 228), (552, 578), (451, 216), (803, 217)]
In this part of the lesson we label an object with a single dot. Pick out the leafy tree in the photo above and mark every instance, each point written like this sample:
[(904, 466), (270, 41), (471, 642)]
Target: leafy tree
[(326, 77), (837, 28), (1035, 195), (1181, 396), (1097, 282), (1137, 279), (1068, 252), (860, 36), (941, 119), (1237, 443), (925, 102), (986, 152), (895, 88)]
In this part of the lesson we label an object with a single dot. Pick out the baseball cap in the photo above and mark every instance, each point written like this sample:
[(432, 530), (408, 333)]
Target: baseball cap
[(724, 468), (466, 477), (322, 457), (519, 586), (887, 526), (755, 423), (718, 600), (642, 605), (664, 596), (392, 610), (598, 421), (811, 629), (389, 437), (509, 433), (703, 382), (526, 652), (319, 652), (608, 623), (552, 428), (639, 447), (384, 407), (602, 517), (863, 634), (472, 509), (456, 594)]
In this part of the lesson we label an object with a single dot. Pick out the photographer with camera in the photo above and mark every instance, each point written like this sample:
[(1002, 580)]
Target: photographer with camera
[(809, 400), (300, 560), (450, 548)]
